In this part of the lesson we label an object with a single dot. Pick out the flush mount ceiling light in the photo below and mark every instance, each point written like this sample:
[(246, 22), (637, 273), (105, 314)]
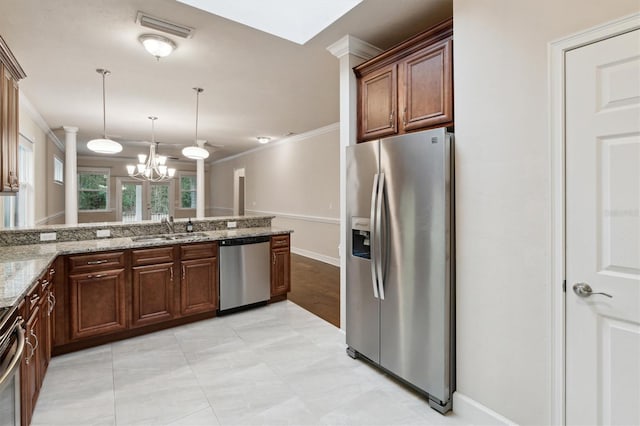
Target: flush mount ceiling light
[(154, 167), (293, 20), (159, 46), (263, 139), (196, 152), (104, 145)]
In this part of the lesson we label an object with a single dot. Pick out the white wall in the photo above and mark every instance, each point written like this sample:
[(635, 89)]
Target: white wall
[(297, 180), (503, 197)]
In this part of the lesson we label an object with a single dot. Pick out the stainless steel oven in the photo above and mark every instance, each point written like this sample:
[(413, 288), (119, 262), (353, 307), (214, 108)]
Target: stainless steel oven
[(11, 347)]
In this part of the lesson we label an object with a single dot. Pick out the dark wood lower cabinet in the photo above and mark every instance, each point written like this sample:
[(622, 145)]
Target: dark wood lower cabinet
[(199, 285), (280, 265), (31, 380), (152, 287), (97, 303)]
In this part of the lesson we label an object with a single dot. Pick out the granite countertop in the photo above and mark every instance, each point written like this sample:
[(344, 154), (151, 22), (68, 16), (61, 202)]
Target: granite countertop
[(21, 266)]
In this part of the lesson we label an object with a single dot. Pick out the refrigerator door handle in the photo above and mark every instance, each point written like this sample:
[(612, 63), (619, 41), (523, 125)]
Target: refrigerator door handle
[(378, 236), (373, 247)]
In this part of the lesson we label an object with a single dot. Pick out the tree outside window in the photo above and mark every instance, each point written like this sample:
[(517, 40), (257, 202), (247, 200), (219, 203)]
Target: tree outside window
[(188, 192), (93, 190)]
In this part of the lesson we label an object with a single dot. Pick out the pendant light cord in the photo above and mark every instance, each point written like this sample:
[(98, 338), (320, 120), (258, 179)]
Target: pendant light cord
[(198, 91), (104, 73)]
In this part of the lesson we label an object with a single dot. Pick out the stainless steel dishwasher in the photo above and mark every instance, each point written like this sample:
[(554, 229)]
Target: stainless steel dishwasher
[(244, 272)]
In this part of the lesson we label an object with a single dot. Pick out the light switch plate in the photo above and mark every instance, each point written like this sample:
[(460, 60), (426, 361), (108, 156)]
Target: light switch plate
[(47, 236), (232, 224), (103, 233)]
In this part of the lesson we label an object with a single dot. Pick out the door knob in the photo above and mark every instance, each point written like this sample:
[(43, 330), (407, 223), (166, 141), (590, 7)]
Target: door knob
[(584, 290)]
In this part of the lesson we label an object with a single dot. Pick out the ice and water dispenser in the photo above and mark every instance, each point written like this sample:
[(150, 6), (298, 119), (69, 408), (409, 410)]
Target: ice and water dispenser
[(360, 242)]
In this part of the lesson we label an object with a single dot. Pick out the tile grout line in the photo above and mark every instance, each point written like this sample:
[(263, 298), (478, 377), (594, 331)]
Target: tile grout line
[(213, 410), (113, 382)]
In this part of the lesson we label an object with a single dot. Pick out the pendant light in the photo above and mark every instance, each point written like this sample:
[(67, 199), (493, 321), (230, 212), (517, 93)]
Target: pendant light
[(104, 145), (154, 167), (196, 152)]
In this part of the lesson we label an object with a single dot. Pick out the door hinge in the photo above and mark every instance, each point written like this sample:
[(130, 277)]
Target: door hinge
[(564, 286)]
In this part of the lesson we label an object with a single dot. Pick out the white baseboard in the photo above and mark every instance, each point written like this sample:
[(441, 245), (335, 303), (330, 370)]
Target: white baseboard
[(472, 412), (45, 220), (316, 256)]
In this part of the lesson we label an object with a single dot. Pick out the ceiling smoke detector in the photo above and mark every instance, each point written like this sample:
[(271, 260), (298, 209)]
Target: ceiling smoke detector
[(159, 24)]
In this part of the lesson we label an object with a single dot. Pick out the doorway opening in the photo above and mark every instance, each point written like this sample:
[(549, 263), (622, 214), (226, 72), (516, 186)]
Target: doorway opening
[(238, 192)]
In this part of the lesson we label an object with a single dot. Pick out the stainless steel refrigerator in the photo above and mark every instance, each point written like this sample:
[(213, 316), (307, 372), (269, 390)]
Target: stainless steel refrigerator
[(400, 275)]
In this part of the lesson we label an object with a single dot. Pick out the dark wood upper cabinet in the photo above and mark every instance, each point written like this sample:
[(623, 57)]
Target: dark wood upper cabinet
[(10, 74), (408, 87), (378, 103)]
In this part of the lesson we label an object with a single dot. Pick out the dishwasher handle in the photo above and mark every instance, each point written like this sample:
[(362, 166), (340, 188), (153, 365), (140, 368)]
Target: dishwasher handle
[(245, 240)]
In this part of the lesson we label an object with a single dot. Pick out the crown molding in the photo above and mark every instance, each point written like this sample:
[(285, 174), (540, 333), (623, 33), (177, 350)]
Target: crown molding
[(39, 120), (295, 138), (350, 45), (10, 62)]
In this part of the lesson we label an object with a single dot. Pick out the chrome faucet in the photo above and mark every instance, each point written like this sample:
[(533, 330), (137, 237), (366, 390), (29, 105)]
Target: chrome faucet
[(169, 223)]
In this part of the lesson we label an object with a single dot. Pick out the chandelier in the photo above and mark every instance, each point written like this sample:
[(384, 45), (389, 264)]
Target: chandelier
[(154, 167)]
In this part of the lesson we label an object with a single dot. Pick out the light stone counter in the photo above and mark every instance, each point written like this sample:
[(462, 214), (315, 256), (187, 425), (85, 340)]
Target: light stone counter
[(22, 265)]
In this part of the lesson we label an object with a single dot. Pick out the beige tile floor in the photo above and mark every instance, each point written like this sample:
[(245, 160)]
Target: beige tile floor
[(274, 365)]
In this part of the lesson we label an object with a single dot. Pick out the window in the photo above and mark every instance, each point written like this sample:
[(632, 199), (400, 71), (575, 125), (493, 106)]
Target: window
[(19, 210), (188, 191), (58, 170), (93, 189)]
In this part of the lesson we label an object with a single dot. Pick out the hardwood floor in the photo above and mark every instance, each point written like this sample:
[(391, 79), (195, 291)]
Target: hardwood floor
[(315, 286)]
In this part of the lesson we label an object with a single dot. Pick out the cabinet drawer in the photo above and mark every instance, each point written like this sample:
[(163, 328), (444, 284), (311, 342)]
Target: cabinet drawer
[(152, 256), (198, 251), (33, 297), (96, 262), (279, 241)]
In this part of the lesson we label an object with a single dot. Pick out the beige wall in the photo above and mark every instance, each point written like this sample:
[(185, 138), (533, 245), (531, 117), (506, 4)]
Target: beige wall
[(118, 169), (503, 199), (297, 180), (48, 196)]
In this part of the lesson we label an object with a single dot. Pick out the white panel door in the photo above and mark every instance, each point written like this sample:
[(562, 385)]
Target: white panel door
[(603, 232)]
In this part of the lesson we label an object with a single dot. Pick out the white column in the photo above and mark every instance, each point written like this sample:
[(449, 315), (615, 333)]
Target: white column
[(351, 52), (70, 176), (200, 201)]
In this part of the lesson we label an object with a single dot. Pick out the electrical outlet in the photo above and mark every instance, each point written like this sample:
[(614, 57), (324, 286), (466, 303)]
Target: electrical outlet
[(47, 236), (103, 233), (232, 224)]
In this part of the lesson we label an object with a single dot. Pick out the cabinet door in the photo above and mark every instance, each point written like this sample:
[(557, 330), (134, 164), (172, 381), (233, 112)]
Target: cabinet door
[(44, 338), (32, 361), (152, 294), (4, 130), (426, 88), (198, 290), (378, 103), (280, 272), (97, 303), (12, 151)]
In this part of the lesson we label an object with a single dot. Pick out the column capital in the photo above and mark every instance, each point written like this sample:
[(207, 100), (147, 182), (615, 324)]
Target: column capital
[(70, 129), (350, 45)]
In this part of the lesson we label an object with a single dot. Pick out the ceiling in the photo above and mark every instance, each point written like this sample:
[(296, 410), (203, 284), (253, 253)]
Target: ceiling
[(255, 84)]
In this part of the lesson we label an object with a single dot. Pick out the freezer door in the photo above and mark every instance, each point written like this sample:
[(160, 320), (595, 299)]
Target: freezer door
[(415, 324), (363, 307)]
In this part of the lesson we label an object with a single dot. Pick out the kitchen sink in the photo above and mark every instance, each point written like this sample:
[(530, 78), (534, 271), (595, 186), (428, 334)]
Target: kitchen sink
[(168, 237)]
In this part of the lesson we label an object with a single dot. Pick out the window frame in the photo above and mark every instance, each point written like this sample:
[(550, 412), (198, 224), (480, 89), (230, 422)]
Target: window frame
[(194, 191), (58, 160), (95, 171)]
